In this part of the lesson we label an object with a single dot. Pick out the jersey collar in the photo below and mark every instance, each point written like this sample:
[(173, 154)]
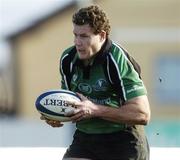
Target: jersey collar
[(102, 54)]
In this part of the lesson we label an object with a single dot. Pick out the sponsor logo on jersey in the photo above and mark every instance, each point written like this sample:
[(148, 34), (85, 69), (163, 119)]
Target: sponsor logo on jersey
[(101, 85), (84, 87), (135, 88), (100, 101)]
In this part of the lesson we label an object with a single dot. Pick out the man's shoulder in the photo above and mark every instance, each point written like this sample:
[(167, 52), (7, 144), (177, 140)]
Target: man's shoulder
[(117, 51), (68, 51)]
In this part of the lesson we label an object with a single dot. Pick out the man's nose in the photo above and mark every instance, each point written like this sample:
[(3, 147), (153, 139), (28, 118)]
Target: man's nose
[(77, 41)]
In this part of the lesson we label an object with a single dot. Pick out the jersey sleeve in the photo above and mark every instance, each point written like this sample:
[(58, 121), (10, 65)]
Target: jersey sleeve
[(63, 76), (125, 75), (132, 84), (62, 82)]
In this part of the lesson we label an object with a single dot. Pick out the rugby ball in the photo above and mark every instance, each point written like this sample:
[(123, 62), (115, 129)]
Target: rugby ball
[(53, 104)]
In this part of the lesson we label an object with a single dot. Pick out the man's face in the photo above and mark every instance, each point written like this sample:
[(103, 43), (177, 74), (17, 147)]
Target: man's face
[(86, 42)]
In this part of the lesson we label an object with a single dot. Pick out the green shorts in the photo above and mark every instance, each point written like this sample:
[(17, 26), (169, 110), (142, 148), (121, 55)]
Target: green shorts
[(115, 146)]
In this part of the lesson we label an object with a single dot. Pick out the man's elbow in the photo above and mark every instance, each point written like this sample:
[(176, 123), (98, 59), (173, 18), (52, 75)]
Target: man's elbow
[(145, 112), (145, 118)]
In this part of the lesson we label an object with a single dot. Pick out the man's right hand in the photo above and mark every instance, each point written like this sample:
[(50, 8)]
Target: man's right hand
[(52, 123)]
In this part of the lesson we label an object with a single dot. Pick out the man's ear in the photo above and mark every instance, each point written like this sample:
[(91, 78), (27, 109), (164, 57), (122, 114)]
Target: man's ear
[(102, 35)]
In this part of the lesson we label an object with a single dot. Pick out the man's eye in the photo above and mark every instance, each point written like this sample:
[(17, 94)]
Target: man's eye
[(84, 36)]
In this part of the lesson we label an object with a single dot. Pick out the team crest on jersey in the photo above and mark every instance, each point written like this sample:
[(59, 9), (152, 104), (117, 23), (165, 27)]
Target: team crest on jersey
[(84, 87), (101, 85)]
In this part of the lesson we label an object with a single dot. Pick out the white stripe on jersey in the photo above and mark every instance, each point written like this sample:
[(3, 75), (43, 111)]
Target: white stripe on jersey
[(129, 62), (64, 76), (119, 75), (108, 72)]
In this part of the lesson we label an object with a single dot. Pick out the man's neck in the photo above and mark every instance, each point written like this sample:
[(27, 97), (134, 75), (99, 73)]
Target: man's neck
[(91, 59)]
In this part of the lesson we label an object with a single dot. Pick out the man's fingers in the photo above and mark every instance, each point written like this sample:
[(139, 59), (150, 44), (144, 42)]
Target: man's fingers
[(77, 117), (73, 103), (83, 98), (54, 123), (43, 117)]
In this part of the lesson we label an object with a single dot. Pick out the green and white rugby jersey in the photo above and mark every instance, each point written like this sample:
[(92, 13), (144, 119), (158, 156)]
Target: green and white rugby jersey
[(110, 80)]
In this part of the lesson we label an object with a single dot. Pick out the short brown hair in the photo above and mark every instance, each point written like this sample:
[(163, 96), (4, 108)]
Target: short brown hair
[(94, 16)]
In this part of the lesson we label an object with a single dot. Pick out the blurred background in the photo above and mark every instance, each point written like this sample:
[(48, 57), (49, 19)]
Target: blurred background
[(33, 34)]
